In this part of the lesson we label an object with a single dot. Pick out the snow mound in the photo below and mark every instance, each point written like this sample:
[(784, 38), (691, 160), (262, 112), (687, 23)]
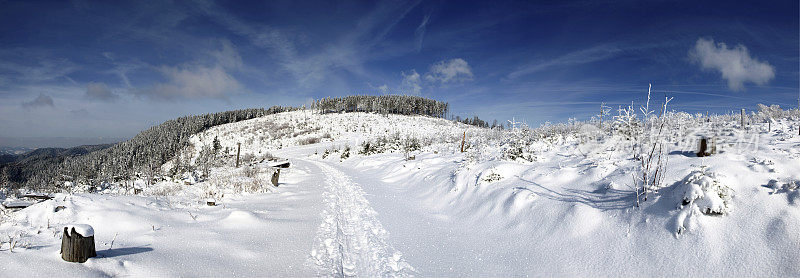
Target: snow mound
[(81, 229), (240, 218)]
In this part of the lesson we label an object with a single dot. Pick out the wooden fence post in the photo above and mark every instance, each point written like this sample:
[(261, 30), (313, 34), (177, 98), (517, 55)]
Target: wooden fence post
[(462, 141), (275, 176), (238, 149)]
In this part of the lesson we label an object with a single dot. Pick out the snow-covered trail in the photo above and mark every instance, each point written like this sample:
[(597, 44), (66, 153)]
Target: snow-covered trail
[(439, 244), (350, 240)]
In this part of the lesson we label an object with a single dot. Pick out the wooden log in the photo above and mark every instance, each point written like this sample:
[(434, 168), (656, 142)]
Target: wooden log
[(275, 176), (78, 246), (16, 205), (279, 164), (37, 196)]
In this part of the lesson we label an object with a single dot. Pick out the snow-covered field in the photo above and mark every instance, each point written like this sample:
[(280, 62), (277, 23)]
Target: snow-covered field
[(566, 207)]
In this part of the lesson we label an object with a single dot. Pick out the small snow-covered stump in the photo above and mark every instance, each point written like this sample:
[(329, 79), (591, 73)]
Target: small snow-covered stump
[(275, 176), (77, 243)]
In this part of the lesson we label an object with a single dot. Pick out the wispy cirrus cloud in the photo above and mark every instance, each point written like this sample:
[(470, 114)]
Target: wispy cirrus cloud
[(312, 67), (584, 56), (419, 33), (32, 66), (735, 64)]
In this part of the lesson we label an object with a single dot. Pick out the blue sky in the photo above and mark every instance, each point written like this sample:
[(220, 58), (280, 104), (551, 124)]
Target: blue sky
[(99, 69)]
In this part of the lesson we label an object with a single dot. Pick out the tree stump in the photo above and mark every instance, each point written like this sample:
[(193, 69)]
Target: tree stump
[(706, 147), (78, 245), (275, 176)]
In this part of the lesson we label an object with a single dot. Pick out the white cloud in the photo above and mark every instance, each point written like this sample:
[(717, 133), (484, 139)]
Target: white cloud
[(450, 71), (383, 88), (443, 72), (412, 82), (194, 82), (40, 101), (212, 79), (99, 91), (735, 64)]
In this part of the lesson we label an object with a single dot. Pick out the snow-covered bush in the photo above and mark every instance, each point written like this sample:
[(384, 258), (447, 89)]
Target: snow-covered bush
[(517, 142), (308, 141), (703, 190)]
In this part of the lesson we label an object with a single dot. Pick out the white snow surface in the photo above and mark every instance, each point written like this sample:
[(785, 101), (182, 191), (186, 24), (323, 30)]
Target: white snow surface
[(568, 213)]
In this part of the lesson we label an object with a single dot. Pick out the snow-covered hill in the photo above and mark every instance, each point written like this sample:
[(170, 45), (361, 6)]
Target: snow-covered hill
[(377, 195)]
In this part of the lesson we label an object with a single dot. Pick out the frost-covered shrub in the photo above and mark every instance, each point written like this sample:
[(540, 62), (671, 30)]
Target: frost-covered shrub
[(345, 153), (383, 144), (492, 177), (308, 141), (703, 190), (247, 158), (770, 112), (250, 171), (516, 141), (164, 189)]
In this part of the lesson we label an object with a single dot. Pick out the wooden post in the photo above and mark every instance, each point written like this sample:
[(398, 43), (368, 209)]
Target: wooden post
[(76, 247), (275, 176), (742, 118), (462, 141), (238, 149)]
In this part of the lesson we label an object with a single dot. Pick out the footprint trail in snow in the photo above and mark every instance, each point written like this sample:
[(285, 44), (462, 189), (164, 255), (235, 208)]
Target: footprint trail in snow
[(350, 241)]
